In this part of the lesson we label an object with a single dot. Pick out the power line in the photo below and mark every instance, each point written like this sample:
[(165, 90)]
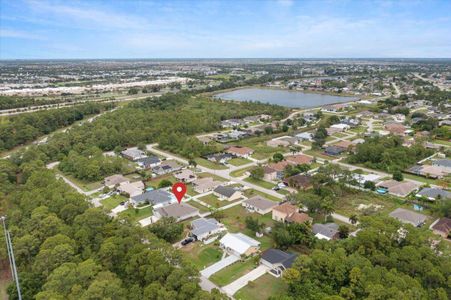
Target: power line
[(12, 260)]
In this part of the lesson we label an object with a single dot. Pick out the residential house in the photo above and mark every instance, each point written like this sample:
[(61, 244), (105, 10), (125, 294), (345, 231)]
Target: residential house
[(232, 123), (156, 198), (240, 151), (434, 194), (131, 189), (203, 229), (305, 136), (442, 227), (362, 178), (396, 129), (185, 176), (277, 261), (334, 150), (299, 159), (205, 139), (332, 130), (178, 211), (345, 145), (298, 181), (408, 217), (239, 244), (166, 167), (341, 127), (274, 171), (299, 218), (278, 143), (398, 188), (259, 205), (220, 158), (289, 213), (133, 154), (148, 162), (328, 231), (114, 180), (445, 164), (227, 193), (204, 185), (429, 171)]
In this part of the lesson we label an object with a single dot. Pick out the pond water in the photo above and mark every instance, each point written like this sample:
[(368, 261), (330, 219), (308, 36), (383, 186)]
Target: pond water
[(283, 97)]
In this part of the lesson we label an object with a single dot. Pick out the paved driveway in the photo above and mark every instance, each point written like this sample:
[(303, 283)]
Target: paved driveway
[(208, 271), (241, 282)]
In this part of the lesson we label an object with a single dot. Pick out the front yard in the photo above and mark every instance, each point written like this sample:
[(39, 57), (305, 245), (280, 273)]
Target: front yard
[(262, 288), (261, 183), (209, 164), (238, 161), (202, 255), (233, 272)]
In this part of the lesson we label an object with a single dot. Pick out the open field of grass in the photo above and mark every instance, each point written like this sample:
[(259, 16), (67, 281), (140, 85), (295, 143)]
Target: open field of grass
[(200, 207), (214, 201), (442, 142), (84, 185), (232, 272), (262, 288), (154, 182), (202, 255), (136, 214), (239, 161), (262, 183), (318, 153), (251, 192), (209, 164), (215, 177), (113, 201), (240, 172)]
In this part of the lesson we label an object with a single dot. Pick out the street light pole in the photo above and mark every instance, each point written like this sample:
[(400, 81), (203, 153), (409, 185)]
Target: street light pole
[(12, 261)]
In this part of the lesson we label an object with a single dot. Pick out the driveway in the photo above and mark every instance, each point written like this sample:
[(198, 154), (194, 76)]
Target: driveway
[(241, 282), (208, 271)]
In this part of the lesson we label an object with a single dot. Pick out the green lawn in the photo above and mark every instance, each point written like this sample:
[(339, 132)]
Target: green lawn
[(199, 206), (209, 164), (214, 201), (136, 214), (240, 172), (201, 255), (113, 201), (262, 288), (215, 177), (442, 142), (262, 183), (84, 185), (421, 178), (251, 192), (232, 272), (318, 153), (154, 182), (238, 161)]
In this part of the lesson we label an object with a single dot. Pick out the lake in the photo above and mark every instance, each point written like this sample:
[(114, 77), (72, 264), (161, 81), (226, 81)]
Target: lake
[(283, 97)]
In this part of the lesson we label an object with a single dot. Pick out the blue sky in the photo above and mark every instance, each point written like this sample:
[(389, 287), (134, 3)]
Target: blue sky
[(189, 29)]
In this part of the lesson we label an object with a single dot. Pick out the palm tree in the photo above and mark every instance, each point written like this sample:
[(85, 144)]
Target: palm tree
[(353, 219), (327, 207)]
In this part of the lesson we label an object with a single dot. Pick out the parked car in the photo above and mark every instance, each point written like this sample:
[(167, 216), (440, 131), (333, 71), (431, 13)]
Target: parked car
[(187, 241)]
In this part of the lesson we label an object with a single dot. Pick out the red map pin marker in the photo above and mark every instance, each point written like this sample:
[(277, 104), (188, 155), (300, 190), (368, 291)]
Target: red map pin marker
[(179, 190)]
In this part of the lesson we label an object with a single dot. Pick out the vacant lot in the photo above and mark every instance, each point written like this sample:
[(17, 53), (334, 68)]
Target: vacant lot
[(113, 201), (136, 214), (201, 255), (209, 164), (262, 183), (238, 161), (240, 172), (233, 272), (214, 201), (262, 288)]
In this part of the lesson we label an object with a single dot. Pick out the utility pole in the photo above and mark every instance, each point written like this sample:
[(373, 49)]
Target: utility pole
[(12, 261)]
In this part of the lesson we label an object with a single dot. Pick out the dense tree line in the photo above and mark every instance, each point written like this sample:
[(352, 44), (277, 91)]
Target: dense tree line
[(91, 165), (381, 262), (10, 102), (23, 128), (67, 250), (170, 120), (388, 154)]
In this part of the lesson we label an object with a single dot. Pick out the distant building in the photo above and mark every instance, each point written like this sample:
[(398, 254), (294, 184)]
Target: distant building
[(133, 154)]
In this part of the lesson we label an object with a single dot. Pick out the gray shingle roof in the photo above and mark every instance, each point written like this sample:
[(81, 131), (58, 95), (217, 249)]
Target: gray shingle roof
[(202, 226), (407, 216), (442, 163), (434, 193), (276, 256), (225, 191), (154, 197), (329, 229)]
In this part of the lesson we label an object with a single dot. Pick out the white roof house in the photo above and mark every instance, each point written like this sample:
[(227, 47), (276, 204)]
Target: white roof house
[(239, 244), (342, 127), (362, 178)]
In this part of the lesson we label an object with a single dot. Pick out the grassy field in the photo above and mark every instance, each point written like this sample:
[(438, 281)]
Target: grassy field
[(262, 288), (240, 172), (209, 164), (262, 183), (422, 179), (239, 161), (214, 201), (154, 182), (318, 153), (84, 185), (258, 144), (442, 142), (199, 206), (113, 201), (137, 214), (200, 255), (232, 272), (251, 192), (215, 177)]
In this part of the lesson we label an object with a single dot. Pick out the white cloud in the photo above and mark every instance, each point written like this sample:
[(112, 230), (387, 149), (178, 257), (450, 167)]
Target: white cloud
[(18, 34)]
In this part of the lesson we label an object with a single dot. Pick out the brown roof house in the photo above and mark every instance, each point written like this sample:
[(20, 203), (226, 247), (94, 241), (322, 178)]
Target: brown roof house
[(396, 129), (274, 171), (398, 188), (298, 181), (442, 227), (113, 180), (289, 213), (259, 205), (299, 159), (240, 151)]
